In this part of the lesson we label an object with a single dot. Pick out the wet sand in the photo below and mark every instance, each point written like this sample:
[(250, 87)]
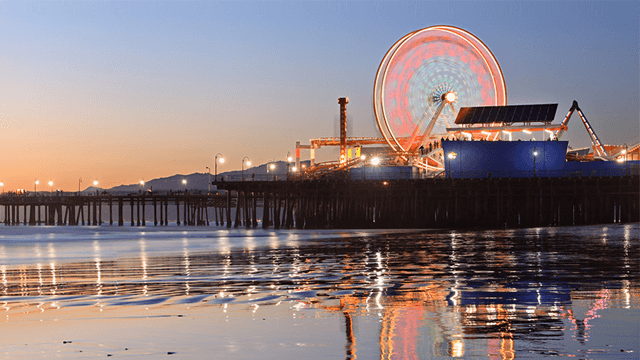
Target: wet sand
[(204, 293)]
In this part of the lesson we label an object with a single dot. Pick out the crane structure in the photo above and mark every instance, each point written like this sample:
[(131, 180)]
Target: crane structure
[(598, 148)]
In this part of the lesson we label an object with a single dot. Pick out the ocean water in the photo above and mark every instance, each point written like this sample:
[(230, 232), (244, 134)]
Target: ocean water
[(263, 294)]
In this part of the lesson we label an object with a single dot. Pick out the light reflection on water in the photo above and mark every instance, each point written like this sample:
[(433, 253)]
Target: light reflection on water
[(533, 292)]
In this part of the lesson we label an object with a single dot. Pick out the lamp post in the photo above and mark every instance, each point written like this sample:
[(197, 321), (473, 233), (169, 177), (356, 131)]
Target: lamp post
[(248, 162), (375, 161), (451, 156), (364, 167), (184, 186), (35, 186), (215, 166), (51, 185), (95, 183), (535, 154), (2, 186), (142, 184), (288, 162), (79, 182), (270, 166), (626, 163), (209, 171)]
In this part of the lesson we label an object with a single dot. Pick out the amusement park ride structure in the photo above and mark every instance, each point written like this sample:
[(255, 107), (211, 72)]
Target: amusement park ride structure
[(428, 79)]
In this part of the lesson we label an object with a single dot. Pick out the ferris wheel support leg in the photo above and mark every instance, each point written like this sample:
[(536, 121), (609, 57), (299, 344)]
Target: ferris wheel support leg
[(414, 134), (453, 110), (432, 124)]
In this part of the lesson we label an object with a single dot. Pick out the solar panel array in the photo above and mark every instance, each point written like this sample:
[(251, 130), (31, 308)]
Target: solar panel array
[(507, 114)]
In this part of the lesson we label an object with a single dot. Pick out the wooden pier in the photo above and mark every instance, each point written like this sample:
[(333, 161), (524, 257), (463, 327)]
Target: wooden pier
[(88, 210), (440, 203), (352, 204)]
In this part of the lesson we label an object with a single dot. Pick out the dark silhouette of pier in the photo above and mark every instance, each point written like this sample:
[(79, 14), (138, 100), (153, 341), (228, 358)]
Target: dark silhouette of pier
[(440, 203), (189, 209), (352, 204)]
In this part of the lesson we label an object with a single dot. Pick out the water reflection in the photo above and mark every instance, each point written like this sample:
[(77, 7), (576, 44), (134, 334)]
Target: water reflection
[(440, 294)]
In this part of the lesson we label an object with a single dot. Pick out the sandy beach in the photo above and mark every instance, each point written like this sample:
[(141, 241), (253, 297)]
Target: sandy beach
[(205, 293)]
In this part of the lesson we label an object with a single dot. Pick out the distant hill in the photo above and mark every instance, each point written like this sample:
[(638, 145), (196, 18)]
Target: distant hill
[(195, 181)]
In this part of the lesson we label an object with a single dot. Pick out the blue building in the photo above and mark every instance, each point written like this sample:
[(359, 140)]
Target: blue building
[(481, 159)]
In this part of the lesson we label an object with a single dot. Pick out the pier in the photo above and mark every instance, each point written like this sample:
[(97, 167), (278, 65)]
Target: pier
[(112, 209), (351, 204), (439, 203)]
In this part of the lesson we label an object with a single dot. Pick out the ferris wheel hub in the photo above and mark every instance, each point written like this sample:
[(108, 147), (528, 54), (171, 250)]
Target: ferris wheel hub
[(449, 97)]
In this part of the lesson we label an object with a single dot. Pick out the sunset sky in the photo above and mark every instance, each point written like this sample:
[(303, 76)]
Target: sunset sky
[(124, 91)]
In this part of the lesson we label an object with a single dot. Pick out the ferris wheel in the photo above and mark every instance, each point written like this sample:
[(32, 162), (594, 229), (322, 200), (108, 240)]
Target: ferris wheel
[(425, 77)]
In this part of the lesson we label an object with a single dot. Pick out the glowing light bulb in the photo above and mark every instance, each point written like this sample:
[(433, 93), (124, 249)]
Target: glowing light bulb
[(450, 97)]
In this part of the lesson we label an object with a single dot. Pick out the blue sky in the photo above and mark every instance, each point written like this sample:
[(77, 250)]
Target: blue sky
[(120, 91)]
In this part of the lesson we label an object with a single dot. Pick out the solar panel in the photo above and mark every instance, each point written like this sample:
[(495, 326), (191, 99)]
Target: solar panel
[(506, 114), (493, 112), (484, 115), (510, 112), (518, 114), (526, 114)]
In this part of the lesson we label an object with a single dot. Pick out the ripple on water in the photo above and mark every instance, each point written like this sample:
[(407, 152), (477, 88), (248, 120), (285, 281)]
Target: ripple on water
[(544, 289)]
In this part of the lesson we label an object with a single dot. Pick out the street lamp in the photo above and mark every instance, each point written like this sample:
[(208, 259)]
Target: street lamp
[(184, 185), (270, 166), (535, 154), (2, 186), (451, 156), (209, 170), (35, 186), (51, 185), (215, 166), (248, 162), (95, 182), (626, 165), (289, 159), (142, 184), (375, 161)]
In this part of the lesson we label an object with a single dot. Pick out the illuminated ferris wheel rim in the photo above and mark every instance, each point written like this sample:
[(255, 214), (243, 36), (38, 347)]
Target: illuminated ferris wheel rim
[(474, 44)]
